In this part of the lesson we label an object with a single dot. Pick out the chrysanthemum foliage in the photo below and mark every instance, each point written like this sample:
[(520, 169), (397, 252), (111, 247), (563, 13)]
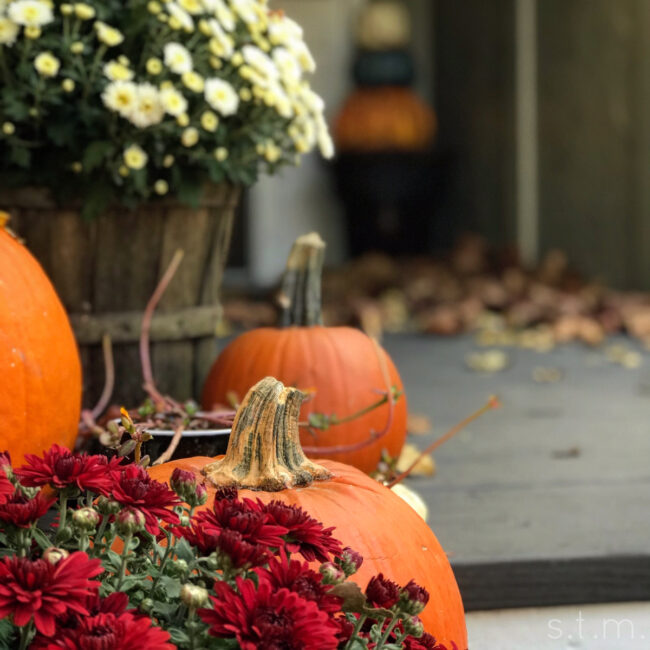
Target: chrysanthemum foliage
[(127, 99), (96, 554)]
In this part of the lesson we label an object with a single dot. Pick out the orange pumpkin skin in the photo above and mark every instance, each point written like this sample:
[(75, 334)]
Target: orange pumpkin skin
[(40, 378), (340, 363), (391, 536)]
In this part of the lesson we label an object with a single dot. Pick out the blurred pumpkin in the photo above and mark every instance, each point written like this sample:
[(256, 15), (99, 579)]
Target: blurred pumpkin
[(343, 368), (392, 537), (384, 119), (40, 382)]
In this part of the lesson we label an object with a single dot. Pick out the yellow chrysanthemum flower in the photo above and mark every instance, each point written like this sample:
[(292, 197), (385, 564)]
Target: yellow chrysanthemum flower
[(221, 154), (84, 11), (194, 81), (154, 66), (161, 187), (190, 137), (47, 65), (135, 157), (68, 85), (107, 34), (209, 121)]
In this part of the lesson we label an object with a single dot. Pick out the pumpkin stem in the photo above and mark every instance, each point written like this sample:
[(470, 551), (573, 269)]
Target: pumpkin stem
[(301, 284), (264, 451)]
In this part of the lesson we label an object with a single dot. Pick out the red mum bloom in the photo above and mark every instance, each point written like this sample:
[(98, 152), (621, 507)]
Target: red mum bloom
[(60, 468), (5, 461), (306, 535), (240, 554), (6, 487), (244, 517), (296, 576), (265, 619), (43, 591), (21, 511), (134, 487), (203, 539), (126, 631), (382, 592)]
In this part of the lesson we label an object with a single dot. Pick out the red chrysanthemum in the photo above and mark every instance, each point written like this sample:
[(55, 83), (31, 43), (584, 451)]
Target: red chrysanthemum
[(239, 553), (22, 511), (126, 631), (43, 591), (244, 517), (134, 487), (296, 576), (382, 592), (202, 538), (5, 461), (6, 487), (306, 535), (268, 619), (61, 468)]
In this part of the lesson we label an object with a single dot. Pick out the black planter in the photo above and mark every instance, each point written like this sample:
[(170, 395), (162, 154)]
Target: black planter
[(193, 443)]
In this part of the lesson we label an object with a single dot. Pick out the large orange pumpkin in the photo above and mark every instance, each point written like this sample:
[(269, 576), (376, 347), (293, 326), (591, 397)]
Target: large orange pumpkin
[(40, 373), (264, 460), (342, 365)]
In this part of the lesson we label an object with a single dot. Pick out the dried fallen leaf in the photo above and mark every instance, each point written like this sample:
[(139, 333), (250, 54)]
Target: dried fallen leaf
[(418, 424), (425, 467)]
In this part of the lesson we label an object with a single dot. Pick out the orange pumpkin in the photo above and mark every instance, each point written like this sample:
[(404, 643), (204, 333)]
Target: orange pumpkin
[(346, 369), (40, 382), (384, 118), (264, 460)]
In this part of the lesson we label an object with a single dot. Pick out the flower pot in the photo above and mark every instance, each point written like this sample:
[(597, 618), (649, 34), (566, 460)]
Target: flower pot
[(105, 271), (209, 442)]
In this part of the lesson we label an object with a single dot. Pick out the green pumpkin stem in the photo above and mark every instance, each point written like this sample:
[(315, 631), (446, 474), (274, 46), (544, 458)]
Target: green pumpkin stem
[(301, 284), (264, 451)]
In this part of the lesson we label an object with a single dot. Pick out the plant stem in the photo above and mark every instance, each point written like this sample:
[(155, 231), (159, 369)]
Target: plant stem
[(124, 561), (493, 403), (357, 628), (386, 634), (97, 546), (26, 634), (63, 511)]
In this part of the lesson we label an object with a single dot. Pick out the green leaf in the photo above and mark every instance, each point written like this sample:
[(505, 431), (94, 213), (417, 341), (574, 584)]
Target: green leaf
[(41, 538), (179, 637), (183, 550), (95, 154), (7, 634), (190, 191), (97, 199), (170, 586)]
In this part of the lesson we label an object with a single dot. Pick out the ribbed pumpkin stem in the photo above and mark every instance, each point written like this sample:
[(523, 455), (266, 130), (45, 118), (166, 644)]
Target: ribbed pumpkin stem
[(301, 285), (264, 451)]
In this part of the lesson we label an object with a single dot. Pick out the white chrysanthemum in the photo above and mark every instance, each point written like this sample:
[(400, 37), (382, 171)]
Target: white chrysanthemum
[(260, 61), (283, 30), (288, 66), (182, 16), (177, 58), (115, 71), (32, 13), (245, 9), (222, 12), (325, 143), (148, 109), (135, 157), (194, 7), (8, 31), (107, 34), (221, 96), (120, 97), (312, 101), (304, 57), (47, 65), (280, 100), (221, 44), (173, 101)]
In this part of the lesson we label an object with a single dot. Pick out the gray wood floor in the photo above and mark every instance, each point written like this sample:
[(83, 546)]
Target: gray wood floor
[(547, 500)]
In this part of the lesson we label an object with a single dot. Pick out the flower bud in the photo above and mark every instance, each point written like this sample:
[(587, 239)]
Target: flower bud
[(413, 598), (185, 486), (350, 561), (413, 627), (54, 555), (179, 568), (193, 596), (86, 518), (332, 575), (129, 521), (107, 506), (146, 605)]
